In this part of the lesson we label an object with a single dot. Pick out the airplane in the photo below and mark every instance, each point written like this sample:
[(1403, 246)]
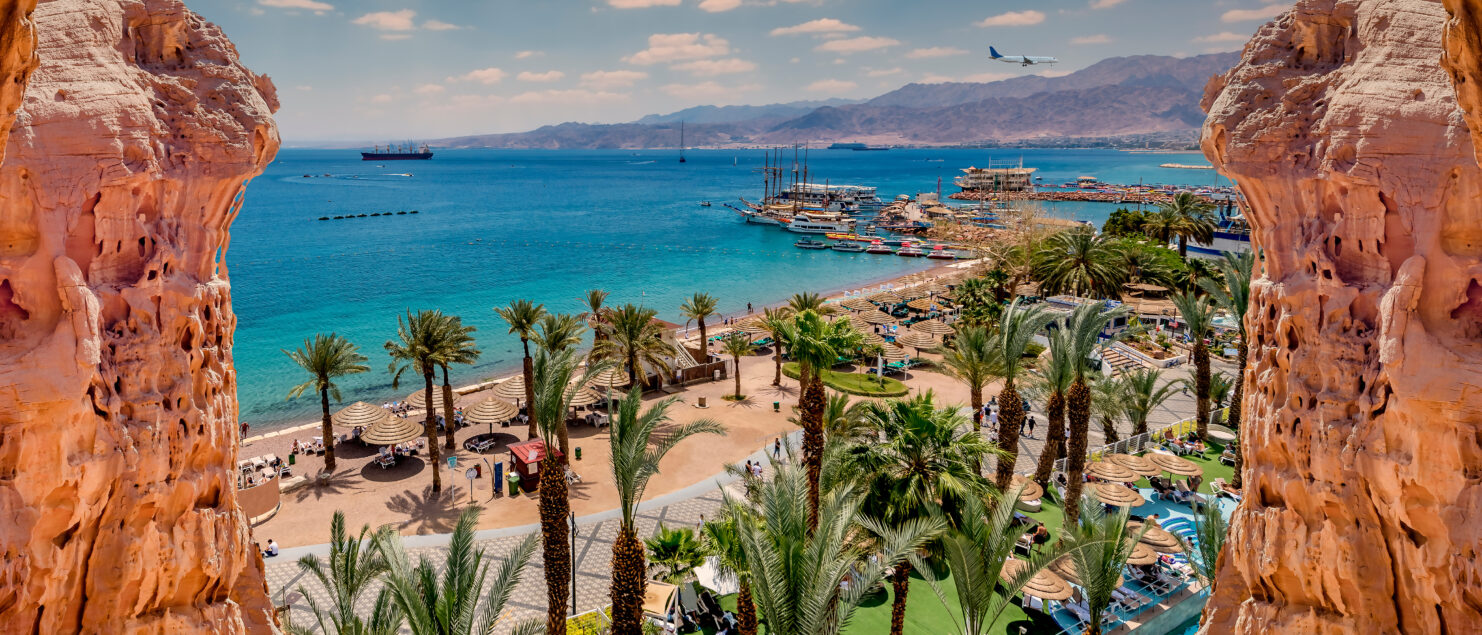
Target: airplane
[(1022, 60)]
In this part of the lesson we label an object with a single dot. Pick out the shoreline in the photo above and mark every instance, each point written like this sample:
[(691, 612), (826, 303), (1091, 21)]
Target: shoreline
[(299, 425)]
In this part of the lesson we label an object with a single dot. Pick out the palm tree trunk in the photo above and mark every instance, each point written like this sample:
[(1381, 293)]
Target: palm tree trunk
[(448, 429), (738, 378), (1201, 386), (629, 577), (745, 609), (529, 390), (812, 405), (1234, 420), (1078, 407), (777, 359), (1183, 246), (1109, 429), (900, 582), (430, 427), (1010, 417), (1054, 438), (977, 402), (328, 431), (704, 343), (555, 543), (635, 374)]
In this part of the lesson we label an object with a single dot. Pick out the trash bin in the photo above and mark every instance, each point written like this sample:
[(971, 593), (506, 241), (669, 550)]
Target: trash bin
[(702, 403), (514, 484), (578, 453), (478, 470), (776, 406), (292, 459)]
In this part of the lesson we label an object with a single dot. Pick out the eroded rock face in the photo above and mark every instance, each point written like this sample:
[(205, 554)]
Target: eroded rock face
[(1363, 507), (1464, 61), (124, 168), (17, 58)]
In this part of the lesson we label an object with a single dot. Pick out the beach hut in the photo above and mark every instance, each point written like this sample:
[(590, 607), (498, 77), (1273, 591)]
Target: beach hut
[(360, 414), (525, 458)]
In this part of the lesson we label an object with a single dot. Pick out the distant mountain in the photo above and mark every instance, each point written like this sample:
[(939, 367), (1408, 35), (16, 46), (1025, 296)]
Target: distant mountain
[(1116, 97)]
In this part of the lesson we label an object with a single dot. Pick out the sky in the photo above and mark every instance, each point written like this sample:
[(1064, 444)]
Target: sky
[(423, 69)]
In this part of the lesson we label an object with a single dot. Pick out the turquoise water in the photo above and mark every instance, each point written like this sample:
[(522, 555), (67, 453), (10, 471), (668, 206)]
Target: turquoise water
[(548, 225)]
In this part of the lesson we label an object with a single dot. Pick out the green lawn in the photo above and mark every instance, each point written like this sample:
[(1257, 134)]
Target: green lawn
[(855, 383)]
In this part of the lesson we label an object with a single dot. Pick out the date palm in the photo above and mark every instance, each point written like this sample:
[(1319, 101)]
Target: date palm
[(558, 332), (1016, 330), (456, 347), (816, 344), (971, 361), (1210, 531), (806, 301), (723, 540), (776, 323), (448, 598), (635, 458), (677, 551), (522, 316), (1234, 296), (1108, 404), (1192, 218), (595, 313), (419, 343), (697, 308), (1081, 263), (843, 420), (1144, 394), (1082, 336), (1054, 381), (635, 340), (354, 564), (738, 345), (1098, 546), (977, 299), (1198, 314), (326, 357)]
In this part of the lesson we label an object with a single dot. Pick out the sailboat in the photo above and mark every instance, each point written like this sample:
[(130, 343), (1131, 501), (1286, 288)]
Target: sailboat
[(681, 142)]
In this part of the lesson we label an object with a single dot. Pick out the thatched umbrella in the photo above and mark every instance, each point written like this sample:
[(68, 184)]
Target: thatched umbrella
[(754, 327), (1138, 464), (922, 304), (1032, 490), (393, 431), (1156, 537), (932, 327), (873, 317), (915, 339), (911, 293), (418, 399), (1117, 494), (1142, 554), (1065, 568), (937, 289), (490, 411), (858, 304), (613, 377), (873, 339), (1175, 465), (512, 388), (885, 297), (1045, 585), (584, 397), (359, 414), (895, 353), (1108, 471)]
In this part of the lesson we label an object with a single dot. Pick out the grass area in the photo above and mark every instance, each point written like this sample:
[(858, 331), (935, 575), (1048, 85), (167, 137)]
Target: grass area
[(855, 383), (926, 614)]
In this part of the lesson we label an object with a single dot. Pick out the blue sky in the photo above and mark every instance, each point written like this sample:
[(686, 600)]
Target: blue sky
[(399, 69)]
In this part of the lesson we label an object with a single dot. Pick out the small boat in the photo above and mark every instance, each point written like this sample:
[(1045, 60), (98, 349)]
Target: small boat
[(704, 203), (809, 243), (910, 250), (879, 247), (848, 247), (940, 252)]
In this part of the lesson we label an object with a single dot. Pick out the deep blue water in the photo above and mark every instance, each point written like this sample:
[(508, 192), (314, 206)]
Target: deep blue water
[(548, 225)]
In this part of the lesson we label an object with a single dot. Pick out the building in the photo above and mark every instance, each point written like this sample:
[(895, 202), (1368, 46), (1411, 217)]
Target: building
[(1016, 179)]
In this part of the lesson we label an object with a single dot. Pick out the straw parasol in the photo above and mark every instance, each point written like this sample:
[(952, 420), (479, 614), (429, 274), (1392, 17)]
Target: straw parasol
[(419, 399), (858, 304), (1108, 471), (392, 431), (512, 388), (1176, 465), (359, 414), (1065, 568), (613, 377), (894, 353), (932, 327), (1045, 585), (491, 411), (885, 297), (921, 304), (1156, 537), (873, 317), (1032, 490), (873, 339), (915, 339), (911, 293), (1142, 554), (936, 288), (1137, 464), (753, 327), (1117, 494), (584, 397)]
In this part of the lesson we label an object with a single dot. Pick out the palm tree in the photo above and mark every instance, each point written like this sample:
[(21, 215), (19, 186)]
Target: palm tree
[(1193, 218), (326, 357), (806, 301), (1054, 381), (522, 315), (595, 313), (738, 345), (698, 307), (1098, 546), (776, 322), (977, 300), (1081, 263), (1143, 395), (1015, 331), (1161, 226), (816, 344), (971, 361), (1198, 314), (1082, 334), (635, 339), (558, 332), (1234, 296), (723, 540), (354, 564), (975, 552), (455, 347), (677, 552), (449, 598), (1210, 530), (635, 459), (807, 578), (1108, 403), (421, 342), (555, 381), (844, 420), (920, 462)]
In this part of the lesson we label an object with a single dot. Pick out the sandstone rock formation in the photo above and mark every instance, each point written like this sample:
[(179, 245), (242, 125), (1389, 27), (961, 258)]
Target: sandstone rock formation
[(1464, 61), (1363, 431), (17, 58), (125, 166)]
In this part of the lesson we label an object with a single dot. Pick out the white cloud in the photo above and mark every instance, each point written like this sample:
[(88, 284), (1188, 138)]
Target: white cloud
[(381, 99), (883, 72), (388, 20), (1013, 18), (396, 36), (1246, 15), (306, 5), (527, 54), (256, 11), (856, 44), (678, 47), (1224, 36), (439, 25), (489, 75), (711, 68), (541, 78), (708, 91), (717, 6), (934, 51), (832, 86), (606, 80), (641, 4), (428, 89), (1091, 39), (1105, 4), (819, 26), (566, 96), (795, 60)]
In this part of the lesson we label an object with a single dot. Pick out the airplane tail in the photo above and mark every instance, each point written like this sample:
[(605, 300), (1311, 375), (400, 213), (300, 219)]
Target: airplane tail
[(993, 53)]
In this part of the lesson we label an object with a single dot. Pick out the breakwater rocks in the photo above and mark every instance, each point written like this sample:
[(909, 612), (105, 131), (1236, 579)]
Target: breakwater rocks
[(370, 215), (1146, 198)]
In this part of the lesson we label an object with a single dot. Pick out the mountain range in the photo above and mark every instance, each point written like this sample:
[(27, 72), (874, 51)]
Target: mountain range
[(1120, 97)]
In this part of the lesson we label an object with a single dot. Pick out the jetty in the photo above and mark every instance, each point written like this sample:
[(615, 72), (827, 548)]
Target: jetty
[(1185, 166)]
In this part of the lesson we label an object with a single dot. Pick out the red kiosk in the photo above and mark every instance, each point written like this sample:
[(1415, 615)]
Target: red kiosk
[(525, 458)]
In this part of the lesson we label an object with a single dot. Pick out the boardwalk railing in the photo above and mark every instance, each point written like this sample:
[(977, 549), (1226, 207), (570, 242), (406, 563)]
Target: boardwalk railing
[(1137, 443)]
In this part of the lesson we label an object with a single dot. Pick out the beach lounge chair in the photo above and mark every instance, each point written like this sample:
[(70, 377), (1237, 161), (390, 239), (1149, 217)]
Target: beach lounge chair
[(1228, 457), (1221, 488)]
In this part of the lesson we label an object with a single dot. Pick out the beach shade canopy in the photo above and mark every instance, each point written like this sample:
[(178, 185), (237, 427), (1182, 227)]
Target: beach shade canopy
[(657, 596), (1116, 494), (1176, 465), (1065, 568), (894, 353), (1032, 490), (932, 327), (1108, 471), (858, 304), (936, 288), (754, 327), (491, 411), (1142, 555), (885, 297), (392, 431), (419, 399), (873, 317), (915, 339), (1137, 464), (613, 377), (911, 293), (359, 414), (873, 339), (921, 304), (512, 388), (584, 397), (1156, 537), (1045, 585)]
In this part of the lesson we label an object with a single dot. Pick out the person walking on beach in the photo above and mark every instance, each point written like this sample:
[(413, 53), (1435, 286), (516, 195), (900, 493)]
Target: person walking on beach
[(244, 432), (1031, 427), (748, 308), (777, 447)]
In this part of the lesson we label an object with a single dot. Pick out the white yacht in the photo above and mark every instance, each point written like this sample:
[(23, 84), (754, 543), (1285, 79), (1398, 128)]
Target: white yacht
[(805, 224)]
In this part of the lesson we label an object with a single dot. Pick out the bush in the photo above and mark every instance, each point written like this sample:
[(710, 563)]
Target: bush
[(1033, 350), (855, 383)]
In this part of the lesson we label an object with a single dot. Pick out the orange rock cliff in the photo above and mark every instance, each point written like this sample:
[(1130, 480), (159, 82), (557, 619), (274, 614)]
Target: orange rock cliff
[(123, 170), (1363, 431)]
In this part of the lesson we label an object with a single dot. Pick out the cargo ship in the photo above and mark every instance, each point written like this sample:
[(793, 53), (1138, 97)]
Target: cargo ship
[(407, 152)]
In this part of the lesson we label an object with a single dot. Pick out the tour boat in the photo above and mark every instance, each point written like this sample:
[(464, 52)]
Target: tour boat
[(910, 250), (805, 224), (848, 247), (940, 252), (879, 247), (809, 243)]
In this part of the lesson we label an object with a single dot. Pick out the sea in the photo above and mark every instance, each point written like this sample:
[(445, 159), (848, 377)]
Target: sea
[(493, 226)]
